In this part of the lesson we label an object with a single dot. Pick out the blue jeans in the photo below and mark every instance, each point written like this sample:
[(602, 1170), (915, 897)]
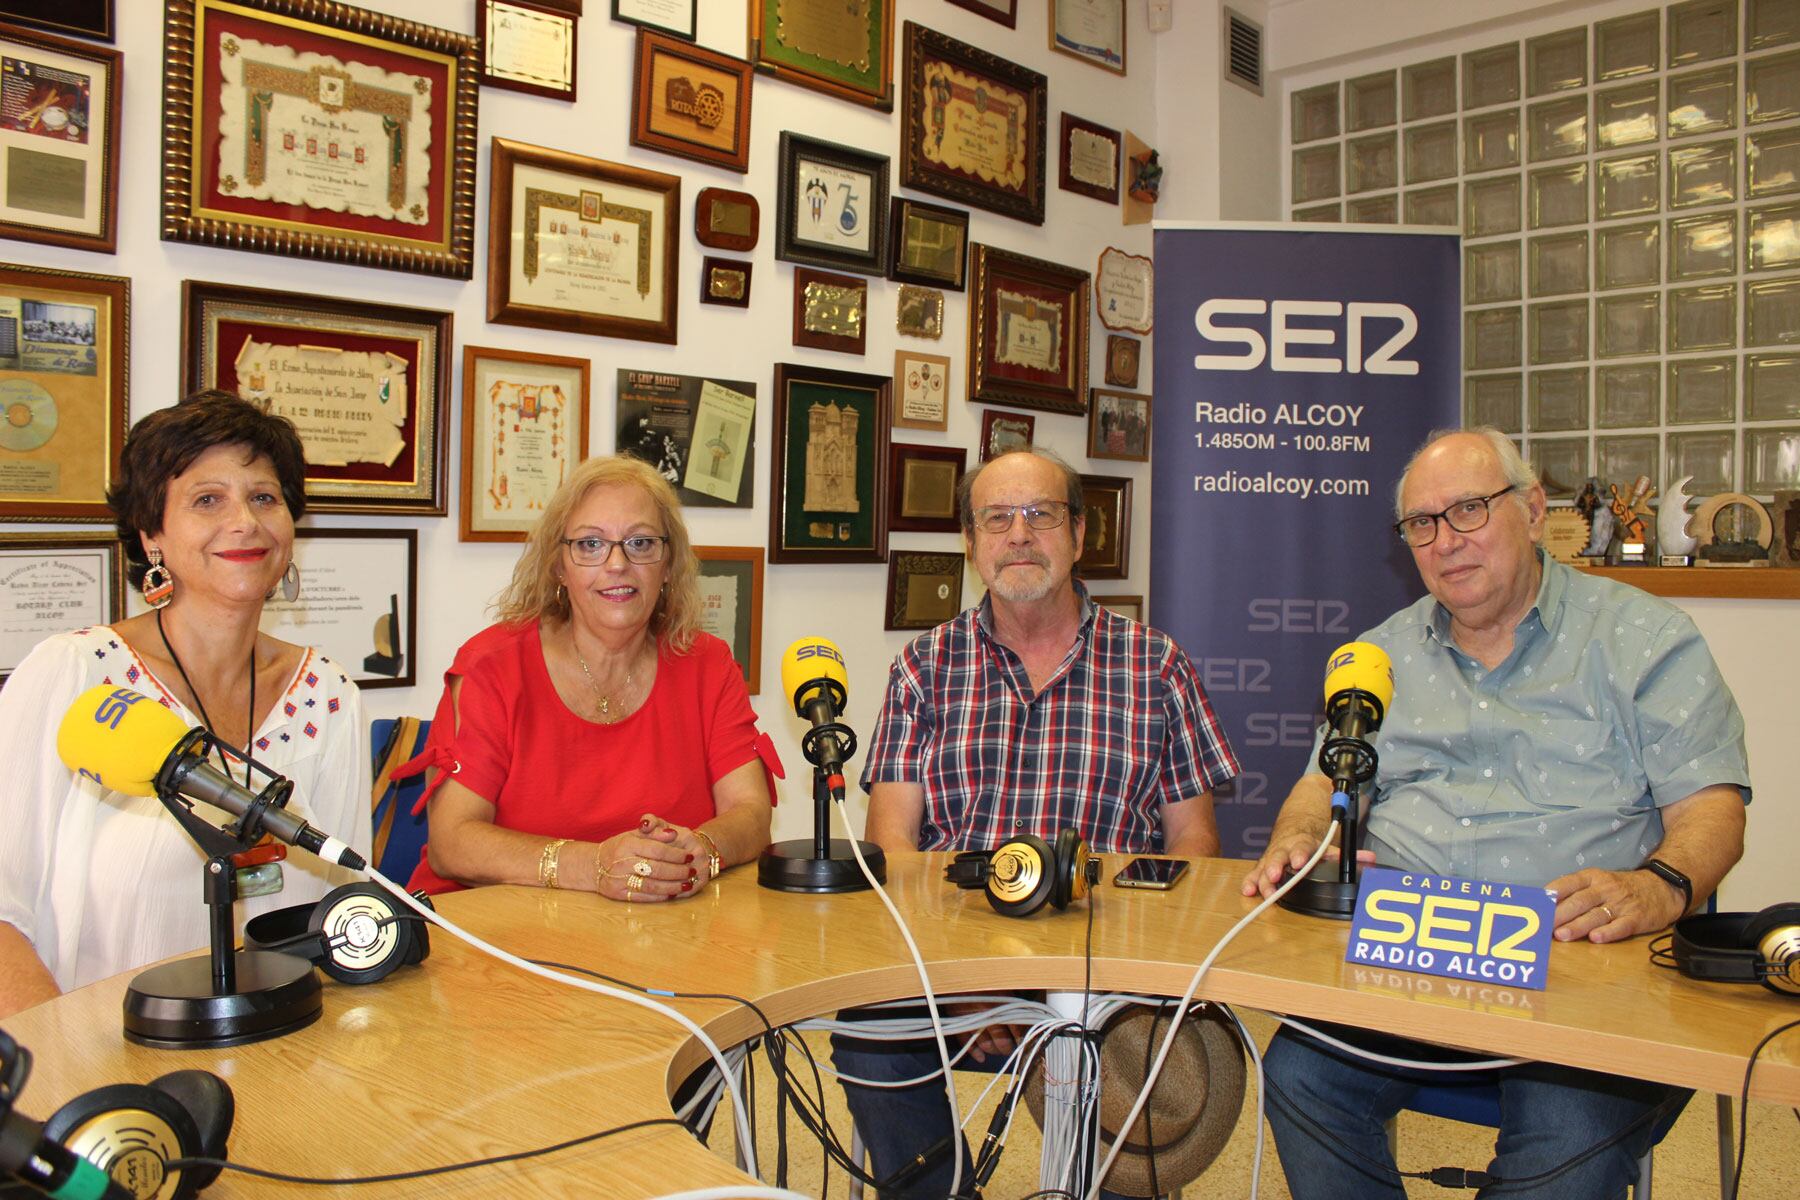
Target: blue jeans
[(1549, 1114)]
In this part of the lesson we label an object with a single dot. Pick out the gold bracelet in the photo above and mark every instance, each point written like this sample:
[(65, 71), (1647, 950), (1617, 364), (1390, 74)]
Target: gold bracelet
[(712, 852), (550, 861)]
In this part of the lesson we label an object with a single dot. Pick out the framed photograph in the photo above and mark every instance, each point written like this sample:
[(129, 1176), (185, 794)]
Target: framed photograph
[(922, 390), (367, 385), (1028, 332), (697, 431), (53, 582), (922, 487), (727, 220), (673, 17), (82, 18), (928, 244), (1004, 11), (1091, 30), (1131, 607), (919, 312), (1004, 432), (1125, 291), (691, 102), (923, 589), (829, 460), (315, 129), (358, 602), (1106, 549), (526, 47), (731, 600), (832, 206), (524, 427), (1119, 426), (59, 129), (1088, 158), (972, 126), (831, 312), (582, 245), (63, 356), (1122, 360), (843, 50), (725, 281)]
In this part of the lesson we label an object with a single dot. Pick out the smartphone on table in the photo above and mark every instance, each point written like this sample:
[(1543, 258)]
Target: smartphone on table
[(1159, 874)]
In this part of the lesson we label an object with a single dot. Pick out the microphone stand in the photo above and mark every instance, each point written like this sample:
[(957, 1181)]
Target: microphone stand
[(1350, 761), (822, 863)]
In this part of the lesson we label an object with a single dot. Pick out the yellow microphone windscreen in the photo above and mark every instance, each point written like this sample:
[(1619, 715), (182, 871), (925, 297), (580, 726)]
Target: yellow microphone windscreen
[(1361, 665), (809, 659), (119, 738)]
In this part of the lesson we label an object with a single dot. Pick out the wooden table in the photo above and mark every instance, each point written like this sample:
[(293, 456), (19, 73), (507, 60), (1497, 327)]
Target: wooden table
[(465, 1057)]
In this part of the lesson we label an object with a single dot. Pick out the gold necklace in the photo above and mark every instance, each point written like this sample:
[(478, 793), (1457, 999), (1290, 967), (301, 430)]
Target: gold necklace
[(601, 700)]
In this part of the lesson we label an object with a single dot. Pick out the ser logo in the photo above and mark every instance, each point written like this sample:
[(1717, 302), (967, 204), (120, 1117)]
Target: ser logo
[(1277, 350), (819, 650), (113, 708)]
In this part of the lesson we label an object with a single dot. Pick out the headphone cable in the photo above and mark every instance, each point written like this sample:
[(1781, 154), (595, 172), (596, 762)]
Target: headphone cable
[(1737, 1174)]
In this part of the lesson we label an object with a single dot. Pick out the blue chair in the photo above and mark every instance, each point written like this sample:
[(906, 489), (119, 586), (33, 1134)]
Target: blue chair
[(399, 835)]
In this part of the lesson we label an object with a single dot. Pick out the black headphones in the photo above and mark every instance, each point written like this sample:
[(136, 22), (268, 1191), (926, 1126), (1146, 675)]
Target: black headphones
[(1024, 873), (356, 934), (1762, 947), (129, 1130)]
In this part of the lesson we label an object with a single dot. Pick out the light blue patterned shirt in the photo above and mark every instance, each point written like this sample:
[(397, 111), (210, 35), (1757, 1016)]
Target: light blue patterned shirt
[(1608, 708)]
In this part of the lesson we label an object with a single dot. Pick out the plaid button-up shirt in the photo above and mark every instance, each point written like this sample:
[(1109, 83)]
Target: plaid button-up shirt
[(1121, 729)]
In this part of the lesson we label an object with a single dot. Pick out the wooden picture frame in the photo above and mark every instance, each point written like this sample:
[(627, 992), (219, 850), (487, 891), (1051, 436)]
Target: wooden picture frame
[(1028, 332), (64, 392), (998, 109), (96, 19), (731, 604), (1119, 425), (375, 436), (922, 487), (826, 51), (548, 209), (924, 589), (919, 312), (1130, 607), (829, 459), (1125, 291), (1088, 157), (59, 179), (1106, 546), (822, 219), (1090, 30), (648, 14), (831, 312), (230, 181), (698, 431), (1006, 12), (1122, 360), (691, 102), (524, 427), (527, 47), (1004, 432), (727, 220), (928, 244), (51, 583), (725, 281), (921, 390), (355, 585)]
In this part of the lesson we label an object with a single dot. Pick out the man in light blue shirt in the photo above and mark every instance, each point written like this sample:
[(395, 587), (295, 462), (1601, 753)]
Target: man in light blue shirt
[(1547, 728)]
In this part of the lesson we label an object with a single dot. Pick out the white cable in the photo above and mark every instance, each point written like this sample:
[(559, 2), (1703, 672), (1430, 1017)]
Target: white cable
[(1480, 1064), (825, 1068), (735, 1193), (1255, 1057), (740, 1114)]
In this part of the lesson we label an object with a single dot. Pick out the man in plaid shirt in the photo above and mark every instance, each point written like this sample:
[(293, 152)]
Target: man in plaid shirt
[(1035, 711)]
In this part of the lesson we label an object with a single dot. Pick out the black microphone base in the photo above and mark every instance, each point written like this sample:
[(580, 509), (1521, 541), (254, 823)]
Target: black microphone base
[(791, 867), (1322, 894), (174, 1007)]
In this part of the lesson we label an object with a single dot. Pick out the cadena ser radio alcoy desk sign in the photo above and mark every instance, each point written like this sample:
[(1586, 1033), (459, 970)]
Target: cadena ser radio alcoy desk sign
[(1460, 928)]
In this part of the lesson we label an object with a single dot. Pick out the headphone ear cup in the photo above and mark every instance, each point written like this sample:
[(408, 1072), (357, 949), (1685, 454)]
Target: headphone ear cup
[(365, 937), (1774, 936), (1021, 875), (129, 1131), (208, 1100), (419, 931)]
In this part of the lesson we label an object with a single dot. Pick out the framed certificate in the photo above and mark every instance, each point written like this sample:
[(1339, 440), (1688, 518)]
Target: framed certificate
[(1125, 291), (1028, 332), (1119, 426), (832, 206), (316, 129), (972, 126), (1106, 547), (1004, 432), (698, 432), (53, 582), (731, 598), (1088, 159), (923, 589), (63, 353), (358, 602), (842, 49), (674, 17), (831, 312), (727, 220), (928, 244), (524, 427), (691, 101), (829, 457), (921, 390), (59, 141), (582, 244), (922, 487), (1091, 30), (83, 18), (367, 385), (526, 47)]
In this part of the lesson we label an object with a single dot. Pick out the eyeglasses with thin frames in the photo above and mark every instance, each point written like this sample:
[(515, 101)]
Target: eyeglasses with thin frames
[(1040, 514), (640, 548), (1465, 516)]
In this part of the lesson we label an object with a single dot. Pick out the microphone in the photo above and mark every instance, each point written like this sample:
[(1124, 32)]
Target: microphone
[(122, 739), (812, 672), (1359, 684)]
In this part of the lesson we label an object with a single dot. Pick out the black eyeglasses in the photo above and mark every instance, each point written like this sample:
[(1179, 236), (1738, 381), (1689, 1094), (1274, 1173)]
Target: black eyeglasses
[(1040, 514), (1465, 516), (642, 549)]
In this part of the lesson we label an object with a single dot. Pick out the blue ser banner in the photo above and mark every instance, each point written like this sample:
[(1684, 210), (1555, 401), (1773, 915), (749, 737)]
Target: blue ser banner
[(1296, 371)]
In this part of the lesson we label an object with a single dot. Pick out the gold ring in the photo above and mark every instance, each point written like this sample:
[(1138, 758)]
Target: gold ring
[(633, 883), (1608, 912), (641, 867)]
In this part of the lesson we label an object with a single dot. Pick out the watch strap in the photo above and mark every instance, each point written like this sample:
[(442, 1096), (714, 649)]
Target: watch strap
[(1674, 878)]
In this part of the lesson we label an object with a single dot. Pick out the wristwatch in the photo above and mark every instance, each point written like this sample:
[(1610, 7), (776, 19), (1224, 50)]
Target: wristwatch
[(1674, 879)]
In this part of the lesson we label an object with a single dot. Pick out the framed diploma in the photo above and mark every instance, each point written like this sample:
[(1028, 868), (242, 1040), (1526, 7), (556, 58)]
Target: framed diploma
[(972, 126), (831, 312), (1088, 159), (1004, 11), (843, 48), (921, 391), (581, 244), (1119, 426), (367, 385), (923, 589), (1125, 291), (83, 18), (928, 244), (1091, 30), (358, 602), (1106, 547), (922, 488), (1028, 333), (731, 596), (526, 47), (727, 220), (691, 101), (829, 460), (59, 141), (674, 17), (63, 352), (316, 129), (524, 427), (832, 207), (53, 582), (698, 432), (725, 281), (1004, 432)]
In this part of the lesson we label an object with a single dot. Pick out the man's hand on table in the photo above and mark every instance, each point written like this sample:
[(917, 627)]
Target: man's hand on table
[(1290, 854), (1610, 906)]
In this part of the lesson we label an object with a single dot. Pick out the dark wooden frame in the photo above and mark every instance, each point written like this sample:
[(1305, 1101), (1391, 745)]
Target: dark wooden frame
[(504, 310), (954, 217), (993, 267), (753, 556), (186, 181), (924, 45), (649, 45), (1117, 345), (1094, 448), (899, 453), (818, 339), (712, 198), (432, 461), (1114, 491), (576, 436), (1090, 60), (693, 19), (790, 66), (1113, 602), (73, 540), (1066, 181), (1010, 18), (410, 676), (110, 64), (788, 246), (903, 567), (993, 416), (488, 79), (105, 28), (710, 264), (873, 494)]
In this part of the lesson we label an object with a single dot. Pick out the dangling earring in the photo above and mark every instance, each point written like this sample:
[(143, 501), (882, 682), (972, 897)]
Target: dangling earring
[(158, 585), (290, 582)]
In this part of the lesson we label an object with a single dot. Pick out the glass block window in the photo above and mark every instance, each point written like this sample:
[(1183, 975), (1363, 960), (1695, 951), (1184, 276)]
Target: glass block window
[(1628, 192)]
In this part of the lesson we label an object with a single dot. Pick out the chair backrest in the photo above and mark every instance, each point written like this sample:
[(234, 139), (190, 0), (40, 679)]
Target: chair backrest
[(399, 835)]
